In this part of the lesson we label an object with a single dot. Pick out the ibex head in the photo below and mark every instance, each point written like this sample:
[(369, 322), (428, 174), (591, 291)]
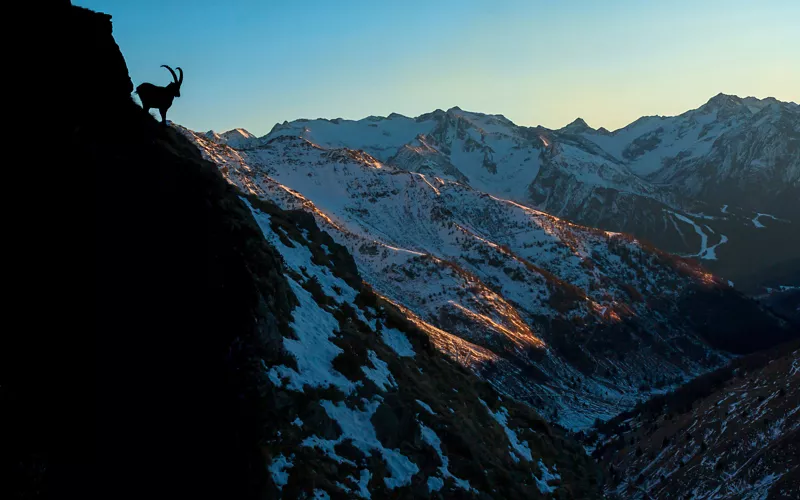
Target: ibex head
[(175, 86)]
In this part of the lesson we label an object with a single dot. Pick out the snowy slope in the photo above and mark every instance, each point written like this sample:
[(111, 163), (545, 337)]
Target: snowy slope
[(732, 435), (363, 407), (730, 150), (379, 136), (237, 138), (556, 314)]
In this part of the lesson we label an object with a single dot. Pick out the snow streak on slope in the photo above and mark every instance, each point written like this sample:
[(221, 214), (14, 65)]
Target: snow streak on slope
[(706, 252), (757, 223)]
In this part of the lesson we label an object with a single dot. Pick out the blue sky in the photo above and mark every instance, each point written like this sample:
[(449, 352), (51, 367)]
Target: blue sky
[(253, 63)]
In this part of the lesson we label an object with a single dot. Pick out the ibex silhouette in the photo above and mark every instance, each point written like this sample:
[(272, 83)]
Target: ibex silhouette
[(153, 96)]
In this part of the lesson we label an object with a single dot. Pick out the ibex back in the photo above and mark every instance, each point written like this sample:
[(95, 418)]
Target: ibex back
[(160, 98)]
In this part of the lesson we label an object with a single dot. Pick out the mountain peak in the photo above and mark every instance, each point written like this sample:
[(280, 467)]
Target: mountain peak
[(238, 132), (235, 138), (578, 125), (433, 115), (724, 101)]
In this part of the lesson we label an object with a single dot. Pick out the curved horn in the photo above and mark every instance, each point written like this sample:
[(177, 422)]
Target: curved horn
[(180, 80), (174, 78)]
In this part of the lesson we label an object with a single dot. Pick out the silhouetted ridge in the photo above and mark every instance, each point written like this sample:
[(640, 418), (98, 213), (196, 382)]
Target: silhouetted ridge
[(188, 298)]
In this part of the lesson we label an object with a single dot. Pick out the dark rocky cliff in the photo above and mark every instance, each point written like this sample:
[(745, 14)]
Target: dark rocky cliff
[(142, 387)]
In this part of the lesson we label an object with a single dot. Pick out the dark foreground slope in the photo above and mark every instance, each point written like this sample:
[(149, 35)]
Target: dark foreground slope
[(153, 399), (732, 433), (184, 386)]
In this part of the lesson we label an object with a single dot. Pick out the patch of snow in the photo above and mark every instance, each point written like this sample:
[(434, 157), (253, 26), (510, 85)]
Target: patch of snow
[(697, 229), (710, 253), (705, 252), (435, 483), (363, 482), (356, 425), (430, 437), (380, 374), (297, 422), (547, 475), (425, 405), (278, 468), (313, 350), (519, 448), (398, 342), (758, 224)]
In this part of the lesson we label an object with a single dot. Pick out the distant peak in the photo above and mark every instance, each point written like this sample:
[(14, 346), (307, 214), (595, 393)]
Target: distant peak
[(433, 115), (578, 125), (238, 131), (724, 100), (454, 108), (579, 122)]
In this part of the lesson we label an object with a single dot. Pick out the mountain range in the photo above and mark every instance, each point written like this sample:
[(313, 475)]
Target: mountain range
[(719, 183), (579, 322)]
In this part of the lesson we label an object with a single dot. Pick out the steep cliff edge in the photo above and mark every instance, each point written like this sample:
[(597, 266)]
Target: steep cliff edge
[(155, 396)]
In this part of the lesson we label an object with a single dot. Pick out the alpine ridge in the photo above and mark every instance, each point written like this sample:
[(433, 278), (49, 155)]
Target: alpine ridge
[(719, 183), (578, 322)]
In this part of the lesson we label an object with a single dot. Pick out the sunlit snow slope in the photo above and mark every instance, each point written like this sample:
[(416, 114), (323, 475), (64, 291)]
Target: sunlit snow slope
[(579, 322), (692, 184)]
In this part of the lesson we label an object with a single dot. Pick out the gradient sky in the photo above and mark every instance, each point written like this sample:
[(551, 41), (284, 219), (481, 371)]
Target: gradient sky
[(251, 63)]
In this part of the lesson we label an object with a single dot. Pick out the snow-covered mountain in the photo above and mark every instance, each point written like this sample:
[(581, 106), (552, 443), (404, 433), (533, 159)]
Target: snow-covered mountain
[(236, 138), (719, 183), (579, 322), (734, 151)]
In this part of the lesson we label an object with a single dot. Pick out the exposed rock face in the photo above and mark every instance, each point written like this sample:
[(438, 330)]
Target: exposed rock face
[(85, 39)]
